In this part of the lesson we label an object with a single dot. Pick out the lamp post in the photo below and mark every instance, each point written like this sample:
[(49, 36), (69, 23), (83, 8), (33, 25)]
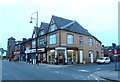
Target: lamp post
[(36, 20), (115, 57)]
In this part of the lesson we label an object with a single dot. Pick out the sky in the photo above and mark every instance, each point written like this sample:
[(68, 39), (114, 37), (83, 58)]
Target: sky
[(99, 17)]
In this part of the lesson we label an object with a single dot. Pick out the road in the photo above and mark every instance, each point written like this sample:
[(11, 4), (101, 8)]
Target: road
[(25, 71)]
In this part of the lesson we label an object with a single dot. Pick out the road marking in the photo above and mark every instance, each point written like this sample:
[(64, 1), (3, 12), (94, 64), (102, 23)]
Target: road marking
[(76, 77), (98, 68), (83, 70), (89, 76), (57, 72)]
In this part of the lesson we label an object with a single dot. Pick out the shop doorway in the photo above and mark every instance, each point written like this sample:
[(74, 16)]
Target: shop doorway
[(60, 56)]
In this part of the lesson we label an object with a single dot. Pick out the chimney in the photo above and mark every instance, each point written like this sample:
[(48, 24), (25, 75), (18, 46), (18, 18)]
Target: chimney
[(24, 39)]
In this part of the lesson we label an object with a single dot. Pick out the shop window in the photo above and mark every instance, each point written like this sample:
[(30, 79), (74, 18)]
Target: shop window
[(51, 56), (69, 55)]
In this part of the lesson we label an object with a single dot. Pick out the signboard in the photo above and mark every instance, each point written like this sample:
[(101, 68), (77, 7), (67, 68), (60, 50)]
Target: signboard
[(41, 50)]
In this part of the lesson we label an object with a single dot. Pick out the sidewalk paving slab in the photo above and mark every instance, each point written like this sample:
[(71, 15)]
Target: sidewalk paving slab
[(109, 75)]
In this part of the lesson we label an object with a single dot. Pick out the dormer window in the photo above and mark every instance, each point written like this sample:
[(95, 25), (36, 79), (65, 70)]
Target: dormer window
[(52, 27), (34, 35), (41, 32)]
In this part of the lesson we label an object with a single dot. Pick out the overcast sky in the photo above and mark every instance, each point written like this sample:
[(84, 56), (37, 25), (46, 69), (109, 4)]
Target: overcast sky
[(99, 17)]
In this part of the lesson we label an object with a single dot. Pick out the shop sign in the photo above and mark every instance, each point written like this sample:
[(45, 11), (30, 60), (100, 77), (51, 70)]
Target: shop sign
[(32, 50), (27, 51), (41, 50)]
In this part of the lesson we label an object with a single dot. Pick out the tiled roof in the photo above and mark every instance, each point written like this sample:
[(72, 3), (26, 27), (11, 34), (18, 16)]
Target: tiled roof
[(70, 25), (45, 26), (11, 38), (60, 21)]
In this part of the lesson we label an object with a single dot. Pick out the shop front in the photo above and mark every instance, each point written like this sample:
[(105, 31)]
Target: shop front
[(72, 54), (31, 56), (42, 55), (51, 56), (62, 55)]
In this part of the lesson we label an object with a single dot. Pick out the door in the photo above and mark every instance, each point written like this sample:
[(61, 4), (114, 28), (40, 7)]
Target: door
[(81, 56), (60, 56), (91, 56)]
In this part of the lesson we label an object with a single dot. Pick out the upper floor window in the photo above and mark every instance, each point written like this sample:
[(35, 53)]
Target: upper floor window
[(90, 42), (41, 32), (81, 41), (97, 44), (70, 39), (52, 27), (34, 35), (53, 39), (33, 44), (41, 41)]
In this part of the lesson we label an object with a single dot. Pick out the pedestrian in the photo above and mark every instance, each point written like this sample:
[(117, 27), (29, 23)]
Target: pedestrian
[(9, 59)]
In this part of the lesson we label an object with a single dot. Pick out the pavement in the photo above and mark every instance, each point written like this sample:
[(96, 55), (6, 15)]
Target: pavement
[(110, 75)]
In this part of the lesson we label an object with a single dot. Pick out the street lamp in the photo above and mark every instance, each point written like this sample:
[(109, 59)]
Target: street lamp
[(115, 57), (36, 20)]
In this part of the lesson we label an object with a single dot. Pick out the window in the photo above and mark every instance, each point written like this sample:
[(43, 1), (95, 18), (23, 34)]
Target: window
[(81, 41), (42, 32), (33, 44), (52, 27), (97, 54), (90, 42), (97, 44), (34, 35), (70, 39), (41, 42), (53, 38)]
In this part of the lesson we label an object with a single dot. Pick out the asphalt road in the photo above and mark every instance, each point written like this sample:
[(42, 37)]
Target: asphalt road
[(25, 71)]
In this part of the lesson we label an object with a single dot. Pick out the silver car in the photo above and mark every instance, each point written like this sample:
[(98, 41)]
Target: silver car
[(104, 60)]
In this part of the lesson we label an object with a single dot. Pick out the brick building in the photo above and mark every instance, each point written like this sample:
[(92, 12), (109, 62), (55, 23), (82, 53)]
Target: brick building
[(11, 47)]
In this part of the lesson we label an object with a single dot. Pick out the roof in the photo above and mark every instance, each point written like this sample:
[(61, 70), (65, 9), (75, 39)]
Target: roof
[(70, 25), (45, 26), (26, 40), (111, 47), (76, 27), (60, 21), (11, 38)]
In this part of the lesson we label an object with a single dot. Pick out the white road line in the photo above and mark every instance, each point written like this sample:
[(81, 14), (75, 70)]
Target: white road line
[(83, 70), (89, 76), (57, 72), (98, 68), (76, 77)]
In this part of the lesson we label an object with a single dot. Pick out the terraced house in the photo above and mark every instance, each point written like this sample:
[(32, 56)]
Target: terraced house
[(64, 41)]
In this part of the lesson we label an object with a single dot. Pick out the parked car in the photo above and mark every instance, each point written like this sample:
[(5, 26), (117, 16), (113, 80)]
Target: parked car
[(104, 60)]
